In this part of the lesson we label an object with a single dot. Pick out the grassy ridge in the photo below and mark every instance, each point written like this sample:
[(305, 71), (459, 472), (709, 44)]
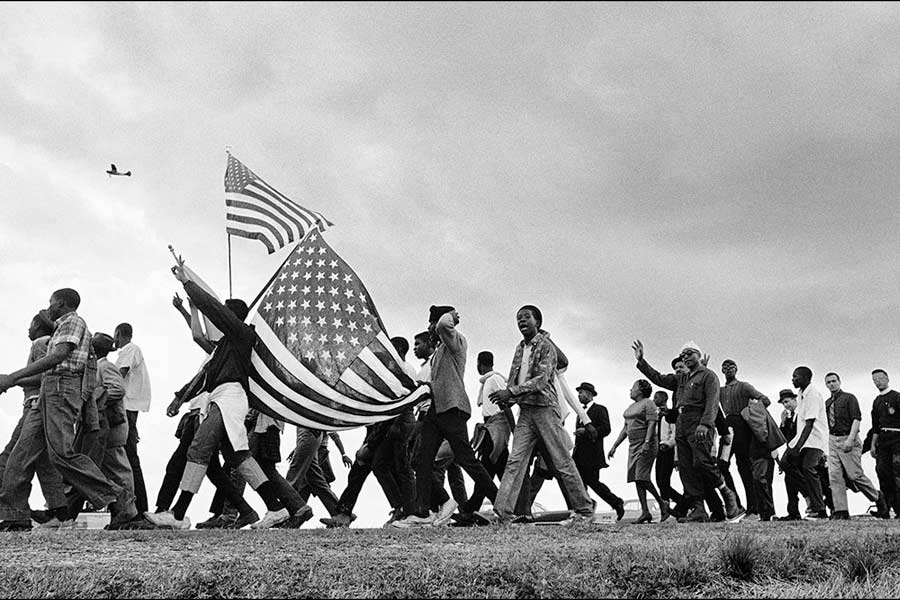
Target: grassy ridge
[(856, 559)]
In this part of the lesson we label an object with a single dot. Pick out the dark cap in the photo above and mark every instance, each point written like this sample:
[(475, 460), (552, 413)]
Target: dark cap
[(786, 393), (728, 361), (102, 343), (436, 312), (588, 387)]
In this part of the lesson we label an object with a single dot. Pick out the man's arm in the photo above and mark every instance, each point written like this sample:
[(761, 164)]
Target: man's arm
[(602, 421), (197, 334), (220, 315), (754, 394), (446, 330), (113, 382), (58, 353), (711, 393), (804, 435), (562, 361), (668, 381), (508, 413), (178, 303)]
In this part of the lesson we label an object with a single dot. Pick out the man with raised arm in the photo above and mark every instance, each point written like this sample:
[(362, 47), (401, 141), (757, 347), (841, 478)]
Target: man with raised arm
[(697, 400)]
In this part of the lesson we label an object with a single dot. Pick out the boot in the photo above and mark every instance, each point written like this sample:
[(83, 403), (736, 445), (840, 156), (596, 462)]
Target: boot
[(697, 515), (881, 508)]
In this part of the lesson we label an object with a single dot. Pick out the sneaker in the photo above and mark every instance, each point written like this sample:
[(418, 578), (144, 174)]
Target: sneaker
[(445, 512), (272, 518), (394, 515), (138, 523), (415, 521), (167, 520), (840, 515), (244, 520), (297, 519), (522, 520)]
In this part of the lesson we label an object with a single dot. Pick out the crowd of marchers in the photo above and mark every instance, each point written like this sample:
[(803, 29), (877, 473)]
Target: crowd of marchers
[(78, 433)]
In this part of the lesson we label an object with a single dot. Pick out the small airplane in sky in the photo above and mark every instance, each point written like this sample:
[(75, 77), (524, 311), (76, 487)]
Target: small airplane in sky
[(114, 171)]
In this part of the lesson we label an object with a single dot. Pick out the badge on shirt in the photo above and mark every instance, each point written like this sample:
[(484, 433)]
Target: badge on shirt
[(891, 410)]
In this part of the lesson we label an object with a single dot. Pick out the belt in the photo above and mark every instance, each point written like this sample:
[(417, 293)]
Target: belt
[(892, 429), (66, 372)]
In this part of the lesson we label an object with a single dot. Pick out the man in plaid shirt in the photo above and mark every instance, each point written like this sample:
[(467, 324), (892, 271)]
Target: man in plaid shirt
[(66, 369)]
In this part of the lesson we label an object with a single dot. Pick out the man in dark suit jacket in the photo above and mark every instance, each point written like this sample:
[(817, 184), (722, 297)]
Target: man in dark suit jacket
[(589, 455)]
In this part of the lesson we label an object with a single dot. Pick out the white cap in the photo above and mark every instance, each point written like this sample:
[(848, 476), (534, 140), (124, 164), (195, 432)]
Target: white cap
[(691, 345)]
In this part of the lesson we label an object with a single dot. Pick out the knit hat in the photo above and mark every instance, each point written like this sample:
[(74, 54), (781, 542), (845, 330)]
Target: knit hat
[(691, 345), (436, 312)]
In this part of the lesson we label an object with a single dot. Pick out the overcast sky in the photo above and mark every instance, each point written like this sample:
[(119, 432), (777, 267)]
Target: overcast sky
[(720, 173)]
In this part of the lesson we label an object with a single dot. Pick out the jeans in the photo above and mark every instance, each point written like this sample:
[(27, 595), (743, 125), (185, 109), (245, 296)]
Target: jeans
[(839, 463), (51, 429), (802, 470), (540, 423), (449, 425), (209, 439), (52, 485), (696, 464), (140, 489), (304, 472)]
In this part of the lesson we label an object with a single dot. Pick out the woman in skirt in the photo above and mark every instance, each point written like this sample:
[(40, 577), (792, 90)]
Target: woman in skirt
[(641, 430)]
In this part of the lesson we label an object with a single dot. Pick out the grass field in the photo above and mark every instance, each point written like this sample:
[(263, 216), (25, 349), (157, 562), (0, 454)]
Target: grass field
[(759, 560)]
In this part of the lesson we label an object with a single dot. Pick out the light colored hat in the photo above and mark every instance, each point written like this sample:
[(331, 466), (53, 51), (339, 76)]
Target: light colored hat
[(690, 345)]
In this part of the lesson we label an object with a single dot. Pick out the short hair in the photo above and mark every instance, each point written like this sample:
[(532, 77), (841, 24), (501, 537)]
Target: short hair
[(675, 361), (44, 324), (400, 344), (805, 371), (645, 387), (880, 371), (422, 335), (538, 316), (70, 297), (238, 307), (486, 358), (827, 375), (125, 329), (662, 394)]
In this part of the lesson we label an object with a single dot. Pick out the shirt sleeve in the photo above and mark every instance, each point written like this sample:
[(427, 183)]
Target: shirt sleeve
[(70, 331), (129, 357), (220, 315), (876, 415), (753, 394), (112, 381), (670, 381), (446, 330), (711, 388), (853, 408), (651, 412)]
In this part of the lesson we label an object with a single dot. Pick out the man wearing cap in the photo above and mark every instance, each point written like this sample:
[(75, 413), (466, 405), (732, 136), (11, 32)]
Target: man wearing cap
[(446, 420), (589, 454), (530, 385), (735, 396), (804, 452), (845, 449), (886, 441), (697, 397)]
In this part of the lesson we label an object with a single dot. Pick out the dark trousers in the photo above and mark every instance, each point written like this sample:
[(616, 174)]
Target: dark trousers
[(493, 468), (665, 465), (696, 464), (391, 466), (590, 475), (445, 464), (802, 471), (360, 470), (742, 439), (763, 473), (887, 467), (140, 489), (449, 425)]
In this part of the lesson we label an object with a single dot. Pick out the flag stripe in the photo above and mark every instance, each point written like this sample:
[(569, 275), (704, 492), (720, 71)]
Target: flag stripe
[(304, 382), (291, 211), (240, 206), (252, 235), (312, 215), (272, 208), (261, 225), (382, 372), (387, 354)]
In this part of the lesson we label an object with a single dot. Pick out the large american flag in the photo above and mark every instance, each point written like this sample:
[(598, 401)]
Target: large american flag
[(323, 359), (256, 210)]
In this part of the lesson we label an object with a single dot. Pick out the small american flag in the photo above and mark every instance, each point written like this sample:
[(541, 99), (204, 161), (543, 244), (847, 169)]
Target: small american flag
[(256, 210), (323, 359)]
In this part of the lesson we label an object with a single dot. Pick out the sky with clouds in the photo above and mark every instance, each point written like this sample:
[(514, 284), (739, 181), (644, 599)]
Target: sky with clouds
[(724, 173)]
